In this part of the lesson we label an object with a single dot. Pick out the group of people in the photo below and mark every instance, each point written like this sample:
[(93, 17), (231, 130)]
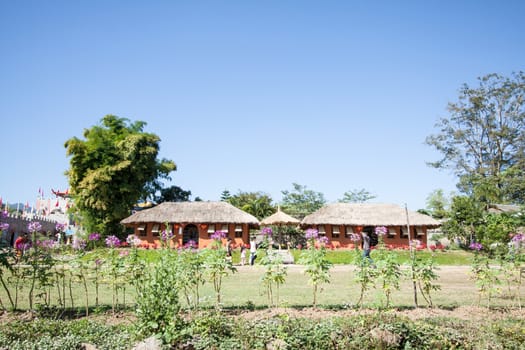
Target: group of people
[(365, 244), (253, 251)]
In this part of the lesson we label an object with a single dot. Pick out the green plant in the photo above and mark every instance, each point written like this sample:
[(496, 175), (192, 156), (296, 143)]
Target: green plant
[(158, 298), (388, 272), (366, 275), (274, 275), (316, 264), (484, 275), (217, 265), (190, 274), (425, 276)]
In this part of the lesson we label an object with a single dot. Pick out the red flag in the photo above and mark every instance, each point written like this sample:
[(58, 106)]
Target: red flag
[(56, 205), (0, 201)]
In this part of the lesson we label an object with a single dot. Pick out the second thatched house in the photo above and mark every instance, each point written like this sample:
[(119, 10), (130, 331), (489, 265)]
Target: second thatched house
[(339, 221), (192, 221)]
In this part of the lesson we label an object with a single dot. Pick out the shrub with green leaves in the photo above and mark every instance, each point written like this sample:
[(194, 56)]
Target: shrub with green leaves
[(316, 264), (157, 299)]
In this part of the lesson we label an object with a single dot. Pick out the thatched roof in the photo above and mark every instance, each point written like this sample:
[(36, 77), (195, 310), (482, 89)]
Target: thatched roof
[(367, 214), (280, 218), (194, 212)]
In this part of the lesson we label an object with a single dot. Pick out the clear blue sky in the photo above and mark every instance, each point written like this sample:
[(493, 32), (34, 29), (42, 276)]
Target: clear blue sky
[(249, 95)]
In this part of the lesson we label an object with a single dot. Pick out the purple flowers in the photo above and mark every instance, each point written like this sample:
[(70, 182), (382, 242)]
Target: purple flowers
[(4, 226), (3, 214), (324, 240), (520, 237), (381, 230), (94, 236), (78, 243), (355, 237), (112, 241), (34, 226), (133, 241), (476, 246), (47, 244), (165, 236), (311, 233), (60, 226), (267, 231), (191, 245), (218, 235)]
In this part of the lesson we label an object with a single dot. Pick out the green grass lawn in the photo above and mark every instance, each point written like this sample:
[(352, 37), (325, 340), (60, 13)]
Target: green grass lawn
[(336, 256)]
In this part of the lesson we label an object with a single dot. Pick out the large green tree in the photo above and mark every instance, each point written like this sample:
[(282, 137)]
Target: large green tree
[(437, 204), (301, 201), (113, 167), (357, 196), (258, 204), (483, 139), (173, 194)]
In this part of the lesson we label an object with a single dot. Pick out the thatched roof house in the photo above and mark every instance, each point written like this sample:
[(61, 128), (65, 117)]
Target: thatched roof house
[(338, 218), (367, 214), (195, 212), (195, 221)]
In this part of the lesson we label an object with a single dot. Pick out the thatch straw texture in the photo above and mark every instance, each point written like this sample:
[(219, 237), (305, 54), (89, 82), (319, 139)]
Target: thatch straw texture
[(194, 212), (367, 214), (280, 218)]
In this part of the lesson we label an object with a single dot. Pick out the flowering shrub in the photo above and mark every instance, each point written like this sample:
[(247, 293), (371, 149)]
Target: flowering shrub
[(78, 243), (60, 226), (267, 231), (483, 274), (476, 246), (133, 241), (355, 237), (381, 230), (166, 236), (191, 244), (95, 236), (317, 265), (218, 235), (311, 234), (34, 226), (4, 226), (112, 241)]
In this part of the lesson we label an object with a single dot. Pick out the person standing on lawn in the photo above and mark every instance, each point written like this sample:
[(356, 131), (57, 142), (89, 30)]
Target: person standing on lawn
[(253, 250), (365, 239)]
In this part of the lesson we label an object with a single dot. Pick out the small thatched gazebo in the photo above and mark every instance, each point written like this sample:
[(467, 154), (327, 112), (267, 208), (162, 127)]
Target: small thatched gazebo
[(192, 221), (339, 221), (279, 219)]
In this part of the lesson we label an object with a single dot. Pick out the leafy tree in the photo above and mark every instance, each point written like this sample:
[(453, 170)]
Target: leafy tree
[(497, 227), (300, 202), (111, 169), (483, 140), (357, 196), (173, 194), (437, 204), (466, 215), (256, 203), (225, 196)]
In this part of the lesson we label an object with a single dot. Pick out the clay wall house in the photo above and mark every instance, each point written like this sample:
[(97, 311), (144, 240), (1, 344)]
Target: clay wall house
[(192, 221), (339, 220)]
